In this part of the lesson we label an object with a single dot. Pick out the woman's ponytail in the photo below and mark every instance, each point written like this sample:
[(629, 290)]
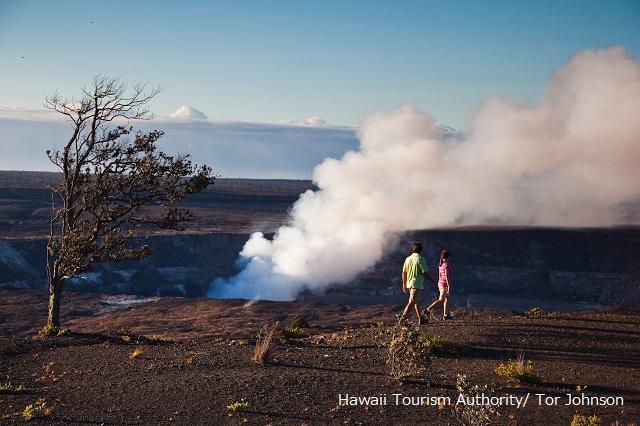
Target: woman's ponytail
[(444, 255)]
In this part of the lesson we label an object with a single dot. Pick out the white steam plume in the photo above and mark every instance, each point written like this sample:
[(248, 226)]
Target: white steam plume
[(571, 160)]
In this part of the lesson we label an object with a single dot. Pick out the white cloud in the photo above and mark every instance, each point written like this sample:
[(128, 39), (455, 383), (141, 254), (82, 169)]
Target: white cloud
[(186, 112), (233, 149), (313, 121), (16, 112)]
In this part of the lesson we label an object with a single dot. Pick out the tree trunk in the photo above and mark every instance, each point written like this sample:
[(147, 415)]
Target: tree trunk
[(55, 298)]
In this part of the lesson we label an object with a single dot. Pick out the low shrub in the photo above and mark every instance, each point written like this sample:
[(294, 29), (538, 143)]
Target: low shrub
[(137, 353), (293, 332), (534, 312), (518, 371), (53, 330), (239, 405), (579, 420), (298, 321), (290, 332), (463, 311), (36, 410), (474, 414), (123, 331), (444, 347), (49, 372), (8, 387), (408, 355)]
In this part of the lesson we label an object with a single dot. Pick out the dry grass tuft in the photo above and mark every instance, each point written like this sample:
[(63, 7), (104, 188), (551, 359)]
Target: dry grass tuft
[(535, 312), (474, 414), (8, 387), (463, 311), (236, 406), (580, 420), (519, 371), (137, 353), (49, 372), (38, 409), (265, 344), (51, 331)]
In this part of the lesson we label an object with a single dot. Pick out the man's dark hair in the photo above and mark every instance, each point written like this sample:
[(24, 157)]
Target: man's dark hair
[(416, 248)]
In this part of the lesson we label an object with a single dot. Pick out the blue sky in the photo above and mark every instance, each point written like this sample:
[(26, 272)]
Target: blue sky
[(267, 61)]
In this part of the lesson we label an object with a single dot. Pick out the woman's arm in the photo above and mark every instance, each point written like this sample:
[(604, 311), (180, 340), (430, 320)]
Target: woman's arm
[(448, 279)]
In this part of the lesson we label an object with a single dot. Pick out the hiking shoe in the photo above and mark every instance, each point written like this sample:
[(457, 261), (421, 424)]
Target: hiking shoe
[(447, 317), (423, 320)]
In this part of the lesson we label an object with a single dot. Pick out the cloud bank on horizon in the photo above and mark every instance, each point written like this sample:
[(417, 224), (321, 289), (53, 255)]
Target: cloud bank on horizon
[(288, 150), (572, 159)]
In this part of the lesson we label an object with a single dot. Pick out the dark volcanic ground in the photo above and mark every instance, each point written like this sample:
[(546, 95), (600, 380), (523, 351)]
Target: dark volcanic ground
[(192, 376), (238, 206), (198, 363)]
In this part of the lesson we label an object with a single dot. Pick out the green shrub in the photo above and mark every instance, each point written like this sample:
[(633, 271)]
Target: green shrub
[(518, 371), (123, 331), (408, 354), (579, 420), (442, 346), (241, 405), (53, 330), (36, 410), (298, 321), (293, 333), (534, 312)]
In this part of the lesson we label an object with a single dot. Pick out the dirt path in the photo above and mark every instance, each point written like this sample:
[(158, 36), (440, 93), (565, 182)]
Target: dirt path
[(92, 378)]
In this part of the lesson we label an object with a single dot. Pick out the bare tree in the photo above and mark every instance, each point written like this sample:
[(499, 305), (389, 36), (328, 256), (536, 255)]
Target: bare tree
[(114, 181)]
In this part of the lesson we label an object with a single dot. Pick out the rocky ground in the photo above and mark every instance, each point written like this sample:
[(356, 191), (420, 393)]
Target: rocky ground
[(199, 363)]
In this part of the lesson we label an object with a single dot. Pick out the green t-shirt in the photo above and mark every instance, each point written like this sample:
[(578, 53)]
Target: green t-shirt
[(415, 267)]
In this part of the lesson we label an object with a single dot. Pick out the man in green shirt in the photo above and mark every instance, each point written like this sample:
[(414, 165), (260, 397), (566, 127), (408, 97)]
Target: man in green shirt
[(414, 272)]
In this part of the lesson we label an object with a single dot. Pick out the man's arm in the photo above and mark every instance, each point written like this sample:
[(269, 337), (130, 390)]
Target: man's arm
[(404, 282), (423, 266)]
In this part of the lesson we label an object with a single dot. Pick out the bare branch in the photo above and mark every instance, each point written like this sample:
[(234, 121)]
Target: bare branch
[(114, 181)]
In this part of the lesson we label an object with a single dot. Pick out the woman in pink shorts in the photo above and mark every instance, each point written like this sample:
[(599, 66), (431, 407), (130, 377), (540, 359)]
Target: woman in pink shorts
[(444, 284)]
